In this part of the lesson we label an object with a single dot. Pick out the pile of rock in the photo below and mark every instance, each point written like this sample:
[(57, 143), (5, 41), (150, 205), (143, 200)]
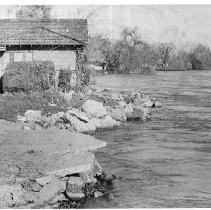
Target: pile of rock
[(48, 167), (102, 110), (56, 190), (91, 117), (126, 106)]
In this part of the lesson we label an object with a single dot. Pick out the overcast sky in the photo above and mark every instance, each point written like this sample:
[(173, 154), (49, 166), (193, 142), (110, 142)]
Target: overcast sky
[(179, 24)]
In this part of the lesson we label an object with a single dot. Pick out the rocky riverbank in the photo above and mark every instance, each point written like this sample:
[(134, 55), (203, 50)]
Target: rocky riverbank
[(45, 160), (98, 109)]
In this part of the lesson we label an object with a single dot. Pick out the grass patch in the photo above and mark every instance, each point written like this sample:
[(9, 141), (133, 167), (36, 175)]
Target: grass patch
[(12, 104)]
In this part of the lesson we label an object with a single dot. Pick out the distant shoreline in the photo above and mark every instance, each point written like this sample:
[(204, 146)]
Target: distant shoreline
[(187, 70), (148, 73)]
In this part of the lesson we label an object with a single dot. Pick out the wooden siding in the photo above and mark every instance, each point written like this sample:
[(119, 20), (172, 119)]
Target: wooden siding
[(4, 60), (62, 59)]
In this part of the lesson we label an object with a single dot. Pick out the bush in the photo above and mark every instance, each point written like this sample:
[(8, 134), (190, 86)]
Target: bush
[(178, 65), (28, 76), (85, 76), (65, 81)]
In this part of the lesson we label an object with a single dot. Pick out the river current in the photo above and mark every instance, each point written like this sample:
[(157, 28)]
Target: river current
[(166, 161)]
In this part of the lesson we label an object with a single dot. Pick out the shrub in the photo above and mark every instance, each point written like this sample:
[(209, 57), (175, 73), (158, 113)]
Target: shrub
[(178, 64), (65, 80), (85, 76), (28, 76), (147, 69)]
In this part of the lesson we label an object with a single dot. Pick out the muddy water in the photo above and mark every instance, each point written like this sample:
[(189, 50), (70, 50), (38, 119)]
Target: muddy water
[(165, 162)]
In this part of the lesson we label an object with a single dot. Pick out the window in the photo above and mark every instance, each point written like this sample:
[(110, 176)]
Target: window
[(28, 56), (18, 56)]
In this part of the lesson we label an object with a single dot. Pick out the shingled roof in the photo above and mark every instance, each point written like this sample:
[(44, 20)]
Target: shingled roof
[(43, 32)]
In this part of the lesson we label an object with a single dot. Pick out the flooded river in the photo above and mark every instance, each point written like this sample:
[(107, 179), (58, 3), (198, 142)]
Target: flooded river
[(164, 162)]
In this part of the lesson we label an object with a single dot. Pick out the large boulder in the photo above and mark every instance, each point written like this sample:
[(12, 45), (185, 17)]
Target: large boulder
[(45, 152), (75, 184), (128, 110), (94, 108), (56, 117), (118, 114), (49, 191), (51, 120), (88, 176), (79, 125), (158, 104), (140, 113), (75, 188), (33, 115), (79, 162), (79, 114), (106, 122)]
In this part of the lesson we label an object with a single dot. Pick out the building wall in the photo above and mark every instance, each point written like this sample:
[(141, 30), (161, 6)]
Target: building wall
[(62, 59), (4, 60)]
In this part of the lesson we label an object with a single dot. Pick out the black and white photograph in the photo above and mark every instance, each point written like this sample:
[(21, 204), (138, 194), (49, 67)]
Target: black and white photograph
[(105, 105)]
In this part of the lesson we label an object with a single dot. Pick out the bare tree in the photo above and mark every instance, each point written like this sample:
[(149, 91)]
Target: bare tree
[(127, 47), (164, 51)]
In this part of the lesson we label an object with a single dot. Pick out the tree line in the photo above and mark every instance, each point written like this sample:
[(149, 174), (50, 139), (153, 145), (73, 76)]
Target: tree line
[(132, 53)]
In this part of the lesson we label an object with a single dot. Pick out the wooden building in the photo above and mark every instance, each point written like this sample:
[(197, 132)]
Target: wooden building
[(29, 40)]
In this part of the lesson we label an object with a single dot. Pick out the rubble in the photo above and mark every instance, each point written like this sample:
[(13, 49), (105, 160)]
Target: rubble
[(102, 109)]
